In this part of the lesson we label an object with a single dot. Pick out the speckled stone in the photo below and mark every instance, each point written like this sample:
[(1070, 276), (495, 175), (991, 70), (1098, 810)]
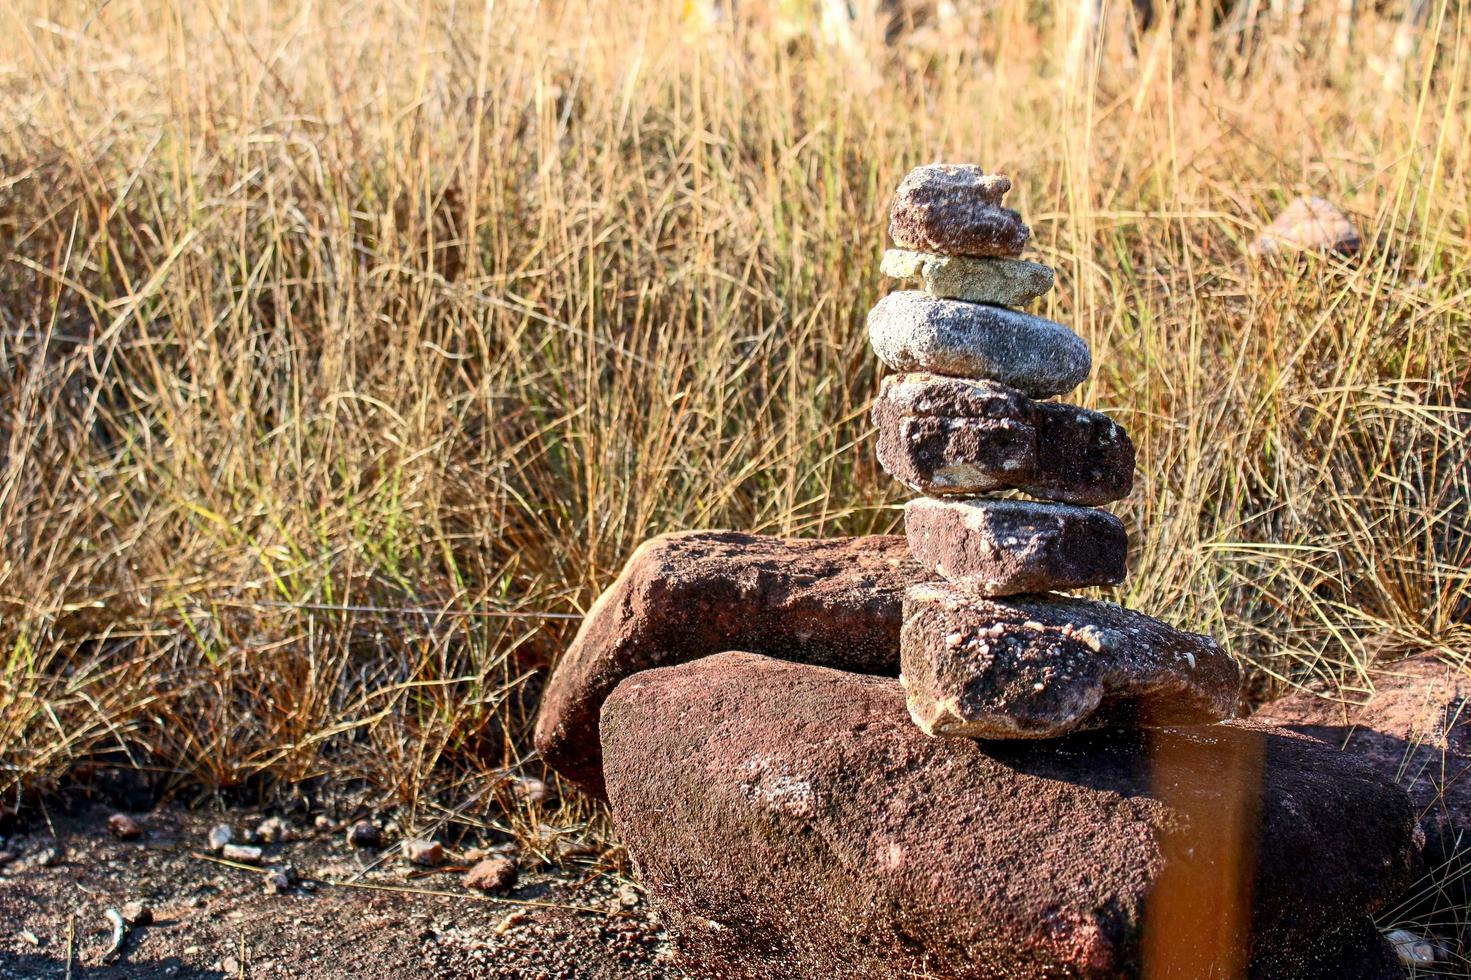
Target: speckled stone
[(953, 437), (955, 209), (911, 331), (1001, 282), (1007, 547), (1042, 666)]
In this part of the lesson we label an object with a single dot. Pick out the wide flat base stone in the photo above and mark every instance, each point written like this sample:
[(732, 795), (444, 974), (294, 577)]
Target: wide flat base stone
[(955, 209), (1032, 667), (910, 331), (1001, 282), (791, 822), (1007, 547), (954, 436), (834, 602)]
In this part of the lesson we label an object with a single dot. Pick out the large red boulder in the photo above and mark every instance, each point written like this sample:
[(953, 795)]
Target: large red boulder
[(1414, 729), (835, 602), (791, 821)]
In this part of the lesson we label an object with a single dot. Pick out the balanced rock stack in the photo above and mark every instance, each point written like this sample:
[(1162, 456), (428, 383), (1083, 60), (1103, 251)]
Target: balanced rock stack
[(1070, 802), (988, 651)]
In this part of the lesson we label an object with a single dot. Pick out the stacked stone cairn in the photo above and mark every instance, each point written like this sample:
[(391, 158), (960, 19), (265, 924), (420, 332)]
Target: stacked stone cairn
[(990, 650), (1075, 799)]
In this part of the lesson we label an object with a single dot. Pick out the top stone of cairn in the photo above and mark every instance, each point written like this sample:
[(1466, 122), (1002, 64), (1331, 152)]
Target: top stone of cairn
[(955, 209)]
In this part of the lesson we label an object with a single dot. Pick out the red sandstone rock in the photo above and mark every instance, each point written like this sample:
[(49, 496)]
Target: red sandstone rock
[(1415, 729), (834, 602), (790, 821)]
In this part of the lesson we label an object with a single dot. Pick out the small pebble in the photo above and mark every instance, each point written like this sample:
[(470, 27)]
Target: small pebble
[(428, 853), (137, 914), (529, 790), (364, 834), (278, 882), (219, 836), (1413, 950), (510, 922), (274, 830), (244, 853), (124, 827), (496, 875)]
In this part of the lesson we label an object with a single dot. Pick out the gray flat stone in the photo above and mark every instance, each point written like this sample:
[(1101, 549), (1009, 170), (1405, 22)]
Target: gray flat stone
[(911, 331), (955, 209), (1002, 282), (1041, 666), (1007, 547), (957, 437)]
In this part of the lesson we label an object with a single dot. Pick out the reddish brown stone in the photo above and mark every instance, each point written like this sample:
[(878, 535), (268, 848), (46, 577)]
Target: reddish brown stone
[(957, 436), (955, 209), (790, 821), (1042, 666), (497, 875), (834, 602), (1007, 547), (1415, 728), (1308, 224)]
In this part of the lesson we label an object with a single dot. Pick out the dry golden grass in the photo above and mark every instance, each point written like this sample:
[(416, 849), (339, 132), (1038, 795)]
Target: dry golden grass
[(348, 347)]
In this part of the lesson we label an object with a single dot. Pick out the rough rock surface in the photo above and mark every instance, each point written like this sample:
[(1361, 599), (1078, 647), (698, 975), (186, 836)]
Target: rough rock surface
[(911, 331), (955, 209), (790, 821), (1004, 282), (834, 602), (944, 436), (1006, 547), (1308, 224), (1042, 666), (1415, 729)]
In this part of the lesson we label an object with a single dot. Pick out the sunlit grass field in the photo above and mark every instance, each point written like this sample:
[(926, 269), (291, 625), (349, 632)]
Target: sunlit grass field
[(347, 348)]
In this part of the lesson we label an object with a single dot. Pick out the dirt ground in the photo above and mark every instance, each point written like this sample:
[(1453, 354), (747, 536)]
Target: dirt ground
[(572, 920)]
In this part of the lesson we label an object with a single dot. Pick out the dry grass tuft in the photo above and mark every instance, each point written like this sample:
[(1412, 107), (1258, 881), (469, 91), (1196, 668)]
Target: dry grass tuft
[(348, 348)]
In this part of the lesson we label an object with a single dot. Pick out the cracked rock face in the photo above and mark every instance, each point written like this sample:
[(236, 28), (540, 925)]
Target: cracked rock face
[(834, 602), (1001, 282), (954, 436), (1036, 667), (791, 821), (1006, 547), (911, 331), (955, 209)]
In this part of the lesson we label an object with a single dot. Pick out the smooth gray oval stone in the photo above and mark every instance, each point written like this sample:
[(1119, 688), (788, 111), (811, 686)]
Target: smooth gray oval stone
[(910, 331)]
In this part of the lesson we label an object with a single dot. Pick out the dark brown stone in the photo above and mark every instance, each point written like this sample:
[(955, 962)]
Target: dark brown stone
[(1415, 729), (955, 209), (1007, 547), (834, 602), (789, 821), (1042, 666), (956, 436)]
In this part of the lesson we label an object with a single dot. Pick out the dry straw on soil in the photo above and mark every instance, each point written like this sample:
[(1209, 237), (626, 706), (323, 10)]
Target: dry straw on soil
[(348, 347)]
